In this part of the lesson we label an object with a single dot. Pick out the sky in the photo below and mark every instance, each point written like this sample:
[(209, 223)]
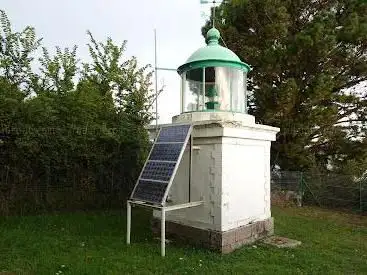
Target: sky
[(177, 22)]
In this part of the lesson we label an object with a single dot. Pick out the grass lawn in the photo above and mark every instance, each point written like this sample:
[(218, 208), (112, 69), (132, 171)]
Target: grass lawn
[(94, 243)]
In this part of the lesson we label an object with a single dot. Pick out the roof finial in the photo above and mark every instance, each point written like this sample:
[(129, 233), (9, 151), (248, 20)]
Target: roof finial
[(213, 36)]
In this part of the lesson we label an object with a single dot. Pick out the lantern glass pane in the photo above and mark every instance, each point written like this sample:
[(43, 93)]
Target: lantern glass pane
[(192, 90), (223, 90)]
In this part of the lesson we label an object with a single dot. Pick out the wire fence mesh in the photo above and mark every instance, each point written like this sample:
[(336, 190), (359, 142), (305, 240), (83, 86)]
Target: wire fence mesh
[(327, 190)]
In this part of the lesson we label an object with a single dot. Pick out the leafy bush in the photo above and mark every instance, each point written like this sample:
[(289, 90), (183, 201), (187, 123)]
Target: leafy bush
[(72, 134)]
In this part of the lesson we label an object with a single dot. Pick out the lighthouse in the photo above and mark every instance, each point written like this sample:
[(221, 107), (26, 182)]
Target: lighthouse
[(227, 166)]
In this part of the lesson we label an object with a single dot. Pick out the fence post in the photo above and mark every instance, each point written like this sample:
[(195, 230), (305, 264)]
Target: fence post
[(300, 191), (361, 196)]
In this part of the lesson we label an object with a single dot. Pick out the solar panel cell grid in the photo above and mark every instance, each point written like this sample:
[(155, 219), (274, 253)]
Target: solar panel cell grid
[(173, 133), (150, 191), (166, 152), (158, 170)]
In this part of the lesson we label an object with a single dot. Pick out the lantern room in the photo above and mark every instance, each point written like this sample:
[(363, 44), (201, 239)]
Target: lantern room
[(213, 79)]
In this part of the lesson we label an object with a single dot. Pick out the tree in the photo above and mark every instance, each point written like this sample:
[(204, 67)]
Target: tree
[(129, 84), (16, 53), (70, 124), (58, 72), (308, 58)]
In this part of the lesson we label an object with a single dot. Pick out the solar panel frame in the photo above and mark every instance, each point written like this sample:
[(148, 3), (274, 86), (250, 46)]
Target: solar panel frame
[(184, 143)]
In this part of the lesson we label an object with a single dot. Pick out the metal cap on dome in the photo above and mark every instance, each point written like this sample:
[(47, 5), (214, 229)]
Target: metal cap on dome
[(212, 36), (213, 55)]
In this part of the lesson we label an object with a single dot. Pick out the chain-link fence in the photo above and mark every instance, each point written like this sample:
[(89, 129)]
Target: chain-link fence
[(326, 190)]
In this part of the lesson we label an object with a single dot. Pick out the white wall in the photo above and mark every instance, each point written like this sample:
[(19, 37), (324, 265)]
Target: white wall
[(244, 185), (205, 185), (230, 172)]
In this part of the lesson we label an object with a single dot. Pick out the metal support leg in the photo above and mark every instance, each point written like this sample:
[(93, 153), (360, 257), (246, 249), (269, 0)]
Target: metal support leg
[(163, 232), (128, 229), (190, 166)]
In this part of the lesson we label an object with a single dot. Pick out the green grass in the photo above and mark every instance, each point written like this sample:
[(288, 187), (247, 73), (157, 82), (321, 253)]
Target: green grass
[(94, 243)]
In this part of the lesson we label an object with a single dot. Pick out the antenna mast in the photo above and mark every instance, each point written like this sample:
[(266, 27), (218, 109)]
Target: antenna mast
[(213, 23), (156, 69), (156, 80)]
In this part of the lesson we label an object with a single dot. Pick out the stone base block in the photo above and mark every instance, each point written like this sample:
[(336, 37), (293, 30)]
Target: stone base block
[(281, 242), (224, 242)]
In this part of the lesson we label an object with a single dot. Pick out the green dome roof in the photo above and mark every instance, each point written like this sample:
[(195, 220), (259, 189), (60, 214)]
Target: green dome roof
[(213, 55)]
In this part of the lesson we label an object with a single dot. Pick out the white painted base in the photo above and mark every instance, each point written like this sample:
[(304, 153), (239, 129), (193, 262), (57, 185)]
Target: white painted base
[(230, 173)]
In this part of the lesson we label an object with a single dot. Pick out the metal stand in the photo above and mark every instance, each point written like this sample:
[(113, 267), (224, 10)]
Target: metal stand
[(163, 233), (163, 210), (128, 229), (162, 207)]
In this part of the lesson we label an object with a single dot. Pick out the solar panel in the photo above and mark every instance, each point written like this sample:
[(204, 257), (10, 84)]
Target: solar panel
[(173, 133), (150, 191), (166, 151), (158, 170), (162, 163)]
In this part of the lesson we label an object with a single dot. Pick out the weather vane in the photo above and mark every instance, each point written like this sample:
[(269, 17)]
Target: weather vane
[(214, 2)]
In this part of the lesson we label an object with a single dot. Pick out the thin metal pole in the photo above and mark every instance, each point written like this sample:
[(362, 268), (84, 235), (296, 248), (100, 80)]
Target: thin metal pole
[(183, 92), (163, 232), (213, 14), (128, 229), (203, 108), (190, 167), (167, 69), (156, 79)]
